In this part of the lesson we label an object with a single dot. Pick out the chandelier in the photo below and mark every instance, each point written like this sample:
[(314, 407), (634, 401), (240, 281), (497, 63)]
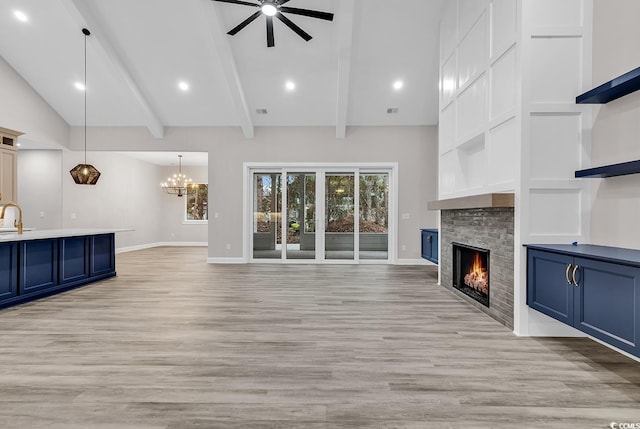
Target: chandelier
[(178, 183), (85, 174)]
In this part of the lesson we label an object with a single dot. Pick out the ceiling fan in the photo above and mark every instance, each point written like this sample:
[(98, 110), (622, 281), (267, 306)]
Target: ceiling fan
[(271, 8)]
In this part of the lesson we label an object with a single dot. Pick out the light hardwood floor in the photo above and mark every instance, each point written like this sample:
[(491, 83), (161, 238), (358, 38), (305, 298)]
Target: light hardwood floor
[(173, 342)]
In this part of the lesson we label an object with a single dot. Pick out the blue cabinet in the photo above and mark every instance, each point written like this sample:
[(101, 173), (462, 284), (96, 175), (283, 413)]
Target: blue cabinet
[(103, 259), (38, 265), (8, 270), (549, 290), (596, 294), (74, 259), (430, 244), (32, 269)]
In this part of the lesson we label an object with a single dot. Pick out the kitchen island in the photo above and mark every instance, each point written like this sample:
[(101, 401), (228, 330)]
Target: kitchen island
[(41, 263)]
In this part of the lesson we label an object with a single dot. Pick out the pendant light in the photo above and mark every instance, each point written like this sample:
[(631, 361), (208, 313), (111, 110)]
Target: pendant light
[(85, 174), (178, 183)]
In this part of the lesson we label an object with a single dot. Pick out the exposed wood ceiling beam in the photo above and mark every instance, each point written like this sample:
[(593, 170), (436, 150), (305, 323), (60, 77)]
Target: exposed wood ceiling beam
[(222, 45), (82, 13), (346, 15)]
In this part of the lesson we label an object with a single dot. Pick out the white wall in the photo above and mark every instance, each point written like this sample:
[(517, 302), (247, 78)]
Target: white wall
[(173, 228), (40, 176), (127, 195), (615, 201), (22, 109), (479, 96)]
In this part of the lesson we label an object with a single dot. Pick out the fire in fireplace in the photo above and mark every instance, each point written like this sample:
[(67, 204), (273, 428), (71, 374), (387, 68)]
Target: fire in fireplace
[(471, 271)]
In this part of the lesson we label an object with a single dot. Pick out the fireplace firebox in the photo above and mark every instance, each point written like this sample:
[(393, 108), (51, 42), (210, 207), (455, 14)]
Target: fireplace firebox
[(471, 271)]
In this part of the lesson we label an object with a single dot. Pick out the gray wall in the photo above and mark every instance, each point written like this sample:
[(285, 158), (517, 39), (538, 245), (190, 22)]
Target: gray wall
[(616, 201), (413, 148), (22, 109), (40, 177)]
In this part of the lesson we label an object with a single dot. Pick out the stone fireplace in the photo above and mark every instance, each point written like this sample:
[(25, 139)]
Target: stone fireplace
[(481, 223)]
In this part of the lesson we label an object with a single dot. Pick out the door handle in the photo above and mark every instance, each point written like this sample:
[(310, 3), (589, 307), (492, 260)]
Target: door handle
[(573, 276), (566, 274)]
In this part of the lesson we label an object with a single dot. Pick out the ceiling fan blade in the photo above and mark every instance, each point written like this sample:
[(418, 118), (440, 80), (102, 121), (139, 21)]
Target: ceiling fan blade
[(270, 40), (244, 23), (306, 36), (244, 3), (306, 12), (283, 2)]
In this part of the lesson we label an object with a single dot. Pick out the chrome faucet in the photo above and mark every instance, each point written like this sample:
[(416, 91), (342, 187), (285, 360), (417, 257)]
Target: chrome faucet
[(18, 222)]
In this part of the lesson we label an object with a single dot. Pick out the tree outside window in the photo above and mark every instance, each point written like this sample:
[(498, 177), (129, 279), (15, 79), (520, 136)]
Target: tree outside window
[(197, 202)]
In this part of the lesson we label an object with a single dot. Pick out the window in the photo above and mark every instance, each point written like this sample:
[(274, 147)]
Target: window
[(197, 202)]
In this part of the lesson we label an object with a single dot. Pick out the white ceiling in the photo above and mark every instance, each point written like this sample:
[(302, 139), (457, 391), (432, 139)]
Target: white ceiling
[(139, 51)]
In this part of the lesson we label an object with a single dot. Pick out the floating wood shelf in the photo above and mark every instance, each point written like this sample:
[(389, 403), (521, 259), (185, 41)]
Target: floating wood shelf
[(616, 88), (474, 202), (622, 169)]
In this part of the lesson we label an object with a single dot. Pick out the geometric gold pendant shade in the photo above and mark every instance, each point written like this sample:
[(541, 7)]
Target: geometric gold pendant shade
[(85, 174)]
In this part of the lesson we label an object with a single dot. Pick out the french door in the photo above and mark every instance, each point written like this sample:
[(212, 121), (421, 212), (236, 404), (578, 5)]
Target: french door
[(321, 214)]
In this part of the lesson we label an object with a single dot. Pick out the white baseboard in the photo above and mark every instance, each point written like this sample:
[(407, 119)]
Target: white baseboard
[(162, 244), (414, 262), (226, 260)]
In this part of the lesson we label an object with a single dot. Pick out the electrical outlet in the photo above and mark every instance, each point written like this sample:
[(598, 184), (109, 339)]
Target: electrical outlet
[(228, 246), (73, 215), (404, 247), (41, 214), (406, 216)]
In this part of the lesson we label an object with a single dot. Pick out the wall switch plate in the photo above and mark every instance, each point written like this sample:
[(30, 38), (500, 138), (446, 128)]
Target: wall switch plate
[(406, 216)]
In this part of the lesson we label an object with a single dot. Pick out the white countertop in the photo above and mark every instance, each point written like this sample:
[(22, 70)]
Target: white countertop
[(54, 233)]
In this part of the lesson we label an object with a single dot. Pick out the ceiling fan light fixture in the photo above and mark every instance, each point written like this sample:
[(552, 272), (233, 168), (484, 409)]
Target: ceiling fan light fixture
[(21, 16), (269, 8)]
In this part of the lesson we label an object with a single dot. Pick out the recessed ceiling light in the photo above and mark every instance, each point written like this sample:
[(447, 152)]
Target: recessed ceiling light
[(290, 86), (20, 16), (79, 86), (398, 84), (183, 86)]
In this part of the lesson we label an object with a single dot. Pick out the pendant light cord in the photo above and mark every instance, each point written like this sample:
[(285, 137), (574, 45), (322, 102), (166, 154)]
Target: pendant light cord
[(86, 33)]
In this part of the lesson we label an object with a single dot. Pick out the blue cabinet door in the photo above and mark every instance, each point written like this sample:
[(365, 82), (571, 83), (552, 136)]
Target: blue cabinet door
[(607, 303), (74, 259), (38, 265), (429, 245), (548, 288), (434, 247), (8, 270), (102, 250)]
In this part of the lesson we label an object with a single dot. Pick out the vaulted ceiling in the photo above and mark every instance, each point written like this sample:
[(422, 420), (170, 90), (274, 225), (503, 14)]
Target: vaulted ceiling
[(140, 50)]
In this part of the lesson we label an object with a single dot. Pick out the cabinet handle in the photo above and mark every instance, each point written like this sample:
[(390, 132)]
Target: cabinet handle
[(573, 275), (566, 274)]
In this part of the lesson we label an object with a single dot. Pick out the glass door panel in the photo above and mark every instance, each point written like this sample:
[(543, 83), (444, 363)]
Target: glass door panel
[(374, 216), (339, 215), (267, 209), (301, 216)]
